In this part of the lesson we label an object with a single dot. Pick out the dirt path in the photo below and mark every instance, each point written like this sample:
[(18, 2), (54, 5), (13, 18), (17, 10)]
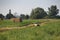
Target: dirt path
[(10, 28)]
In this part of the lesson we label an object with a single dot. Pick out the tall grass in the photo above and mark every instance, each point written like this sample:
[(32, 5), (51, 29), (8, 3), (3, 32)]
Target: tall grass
[(49, 31)]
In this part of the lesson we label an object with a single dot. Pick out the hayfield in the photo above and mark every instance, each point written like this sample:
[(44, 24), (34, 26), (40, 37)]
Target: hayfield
[(49, 29)]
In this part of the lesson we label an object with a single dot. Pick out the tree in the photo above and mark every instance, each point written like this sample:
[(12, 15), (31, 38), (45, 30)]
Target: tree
[(9, 16), (38, 13), (27, 16), (53, 11), (22, 16), (1, 16)]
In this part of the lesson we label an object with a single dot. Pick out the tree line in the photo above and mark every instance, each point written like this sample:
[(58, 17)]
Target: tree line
[(10, 15), (39, 13), (36, 13)]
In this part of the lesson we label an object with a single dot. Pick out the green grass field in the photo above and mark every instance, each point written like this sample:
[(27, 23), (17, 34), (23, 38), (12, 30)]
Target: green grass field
[(48, 31), (8, 23)]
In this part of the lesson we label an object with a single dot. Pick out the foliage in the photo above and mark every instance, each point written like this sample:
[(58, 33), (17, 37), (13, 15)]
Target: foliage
[(53, 11), (38, 13), (27, 16), (9, 16), (1, 16), (22, 16)]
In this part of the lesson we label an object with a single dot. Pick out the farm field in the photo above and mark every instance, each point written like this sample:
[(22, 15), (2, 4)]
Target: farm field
[(49, 29)]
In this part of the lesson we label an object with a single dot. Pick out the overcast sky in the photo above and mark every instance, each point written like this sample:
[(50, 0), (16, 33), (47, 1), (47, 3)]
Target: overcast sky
[(25, 6)]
